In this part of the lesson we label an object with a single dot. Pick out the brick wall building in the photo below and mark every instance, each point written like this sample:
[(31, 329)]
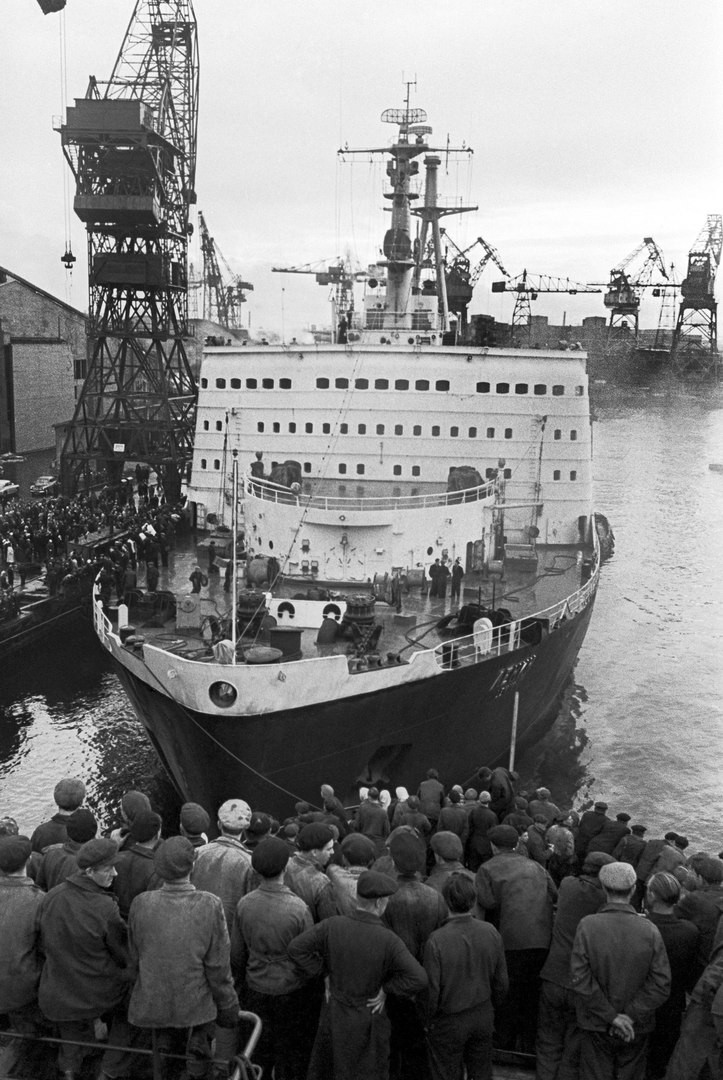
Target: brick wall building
[(44, 360)]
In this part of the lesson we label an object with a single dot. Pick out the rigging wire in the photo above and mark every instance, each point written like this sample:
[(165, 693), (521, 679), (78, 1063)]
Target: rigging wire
[(67, 258)]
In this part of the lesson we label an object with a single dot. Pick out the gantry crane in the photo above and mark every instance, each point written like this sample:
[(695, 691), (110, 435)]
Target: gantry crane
[(461, 276), (131, 144), (341, 275), (527, 287), (223, 295), (622, 299), (695, 341)]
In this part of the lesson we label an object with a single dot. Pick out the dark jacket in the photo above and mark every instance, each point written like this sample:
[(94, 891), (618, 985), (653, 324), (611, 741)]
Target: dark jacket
[(703, 908), (578, 897), (58, 862), (413, 912), (20, 960), (360, 956), (609, 837), (518, 895), (181, 953), (591, 825), (466, 968), (136, 873), (223, 867), (630, 849), (83, 938), (310, 883), (431, 798), (618, 965), (50, 832)]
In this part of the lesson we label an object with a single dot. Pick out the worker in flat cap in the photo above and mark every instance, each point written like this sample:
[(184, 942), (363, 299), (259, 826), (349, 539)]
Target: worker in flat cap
[(481, 820), (223, 866), (83, 938), (632, 846), (334, 807), (194, 822), (266, 920), (620, 974), (180, 950), (371, 819), (364, 961), (135, 869), (305, 871), (59, 861), (20, 959), (448, 852), (358, 853), (591, 824), (612, 832), (557, 1049), (517, 896), (69, 794), (542, 804)]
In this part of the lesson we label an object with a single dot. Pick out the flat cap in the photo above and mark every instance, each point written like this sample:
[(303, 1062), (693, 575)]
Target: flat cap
[(270, 857), (98, 852), (623, 817), (371, 885), (408, 852), (69, 793), (617, 876), (132, 803), (504, 836), (14, 853), (638, 829), (314, 835), (81, 825), (594, 860), (447, 845), (174, 858), (234, 815), (145, 826), (194, 819), (601, 806), (484, 797), (470, 793), (358, 850)]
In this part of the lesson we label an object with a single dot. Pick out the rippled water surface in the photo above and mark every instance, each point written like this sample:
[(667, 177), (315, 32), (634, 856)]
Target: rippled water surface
[(642, 724)]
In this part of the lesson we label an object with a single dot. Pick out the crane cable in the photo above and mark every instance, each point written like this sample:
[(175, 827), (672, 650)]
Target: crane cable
[(67, 258)]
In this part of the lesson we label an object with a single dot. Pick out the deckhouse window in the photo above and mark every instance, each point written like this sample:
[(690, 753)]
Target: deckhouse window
[(502, 388), (217, 463), (558, 391), (442, 385), (284, 384), (342, 467), (508, 432), (380, 429), (381, 384), (556, 474), (417, 430), (326, 428), (322, 384), (579, 391), (435, 430), (573, 475), (361, 384), (251, 384), (401, 384), (292, 428), (307, 466), (454, 432), (416, 470), (344, 429), (398, 429), (235, 384), (573, 436), (219, 425), (205, 425), (490, 433), (490, 474), (276, 427), (558, 434), (308, 428), (483, 388), (540, 389), (360, 469), (421, 384), (204, 383), (341, 384), (397, 470), (521, 388), (203, 463), (507, 473), (472, 433), (362, 429), (268, 384), (220, 384), (260, 426)]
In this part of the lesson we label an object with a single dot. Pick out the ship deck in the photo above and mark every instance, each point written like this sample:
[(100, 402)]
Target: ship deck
[(415, 620)]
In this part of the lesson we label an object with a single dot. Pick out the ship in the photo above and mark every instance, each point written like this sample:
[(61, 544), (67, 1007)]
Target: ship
[(355, 467)]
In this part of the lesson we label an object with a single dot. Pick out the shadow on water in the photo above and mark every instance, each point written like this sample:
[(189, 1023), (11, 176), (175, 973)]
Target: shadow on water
[(556, 761)]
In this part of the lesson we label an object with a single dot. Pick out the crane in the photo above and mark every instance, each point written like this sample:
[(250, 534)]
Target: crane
[(222, 295), (695, 340), (462, 277), (342, 276), (622, 299), (527, 287), (131, 145)]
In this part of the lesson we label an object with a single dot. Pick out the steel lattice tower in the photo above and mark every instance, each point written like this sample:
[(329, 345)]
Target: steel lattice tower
[(131, 144), (695, 340)]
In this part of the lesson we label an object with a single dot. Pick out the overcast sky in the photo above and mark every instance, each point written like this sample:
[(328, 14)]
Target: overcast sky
[(594, 123)]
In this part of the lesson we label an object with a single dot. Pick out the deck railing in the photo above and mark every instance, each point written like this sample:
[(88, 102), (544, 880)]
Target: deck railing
[(276, 493), (477, 648)]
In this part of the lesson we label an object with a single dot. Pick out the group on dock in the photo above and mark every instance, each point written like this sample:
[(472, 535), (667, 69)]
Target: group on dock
[(410, 936)]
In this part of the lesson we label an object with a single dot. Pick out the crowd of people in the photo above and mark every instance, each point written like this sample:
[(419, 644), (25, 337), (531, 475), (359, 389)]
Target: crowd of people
[(406, 937)]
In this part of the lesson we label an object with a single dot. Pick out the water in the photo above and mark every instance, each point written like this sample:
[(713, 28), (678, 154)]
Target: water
[(640, 726)]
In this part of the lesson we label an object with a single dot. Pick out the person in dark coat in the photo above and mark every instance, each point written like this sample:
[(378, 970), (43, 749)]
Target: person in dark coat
[(457, 575), (443, 576), (448, 852), (223, 866), (305, 870), (69, 795), (180, 951), (358, 853), (621, 975), (632, 846), (481, 820), (135, 868), (83, 938), (364, 961), (371, 820), (431, 796), (197, 579), (591, 824), (333, 805), (414, 818), (20, 959), (543, 804), (518, 817), (434, 578), (557, 1048), (152, 576), (680, 938), (517, 895), (454, 818), (465, 964), (59, 861), (611, 834), (265, 922), (703, 906)]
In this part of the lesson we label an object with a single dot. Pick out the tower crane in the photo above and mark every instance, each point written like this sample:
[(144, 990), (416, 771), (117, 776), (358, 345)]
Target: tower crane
[(695, 340), (462, 277), (222, 295), (527, 287), (131, 144), (341, 275), (622, 299)]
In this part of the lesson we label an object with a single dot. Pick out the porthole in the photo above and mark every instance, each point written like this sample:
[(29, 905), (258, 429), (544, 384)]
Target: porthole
[(222, 694)]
